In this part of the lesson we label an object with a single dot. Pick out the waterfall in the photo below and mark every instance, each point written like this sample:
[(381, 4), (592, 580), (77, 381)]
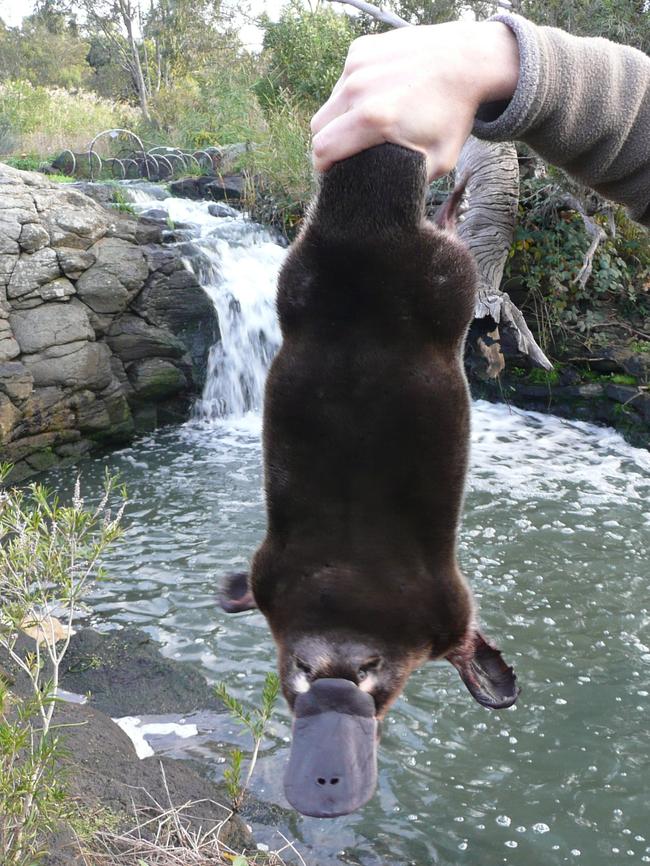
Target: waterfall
[(237, 263)]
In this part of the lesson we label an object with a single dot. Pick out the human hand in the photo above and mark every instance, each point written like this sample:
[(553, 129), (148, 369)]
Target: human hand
[(419, 87)]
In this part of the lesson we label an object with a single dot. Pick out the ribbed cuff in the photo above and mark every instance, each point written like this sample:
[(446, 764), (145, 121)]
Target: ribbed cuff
[(516, 116)]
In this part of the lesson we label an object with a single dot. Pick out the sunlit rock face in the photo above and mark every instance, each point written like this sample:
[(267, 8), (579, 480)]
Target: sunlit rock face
[(103, 329)]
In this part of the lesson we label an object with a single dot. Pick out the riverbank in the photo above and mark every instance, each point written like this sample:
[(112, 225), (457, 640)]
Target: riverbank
[(122, 674)]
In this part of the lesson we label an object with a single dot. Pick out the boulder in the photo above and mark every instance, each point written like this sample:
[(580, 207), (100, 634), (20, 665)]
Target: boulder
[(9, 415), (155, 378), (132, 339), (15, 380), (75, 365), (50, 325), (172, 299), (119, 270), (74, 262), (9, 348), (31, 271), (33, 237), (71, 218), (220, 209)]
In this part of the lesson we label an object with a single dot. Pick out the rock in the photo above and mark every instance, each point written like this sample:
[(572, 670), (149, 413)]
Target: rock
[(9, 348), (9, 415), (104, 417), (71, 219), (42, 460), (45, 409), (173, 299), (131, 339), (33, 237), (222, 210), (102, 193), (50, 325), (229, 187), (31, 271), (120, 269), (60, 289), (626, 394), (191, 187), (57, 290), (74, 262), (103, 771), (126, 675), (642, 405), (638, 364), (74, 450), (75, 365), (15, 380), (155, 378), (23, 448), (10, 230), (70, 273)]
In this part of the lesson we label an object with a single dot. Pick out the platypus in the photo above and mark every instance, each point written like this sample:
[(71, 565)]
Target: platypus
[(366, 436)]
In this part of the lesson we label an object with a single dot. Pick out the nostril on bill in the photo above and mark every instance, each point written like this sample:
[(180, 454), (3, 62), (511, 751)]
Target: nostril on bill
[(321, 781), (334, 781)]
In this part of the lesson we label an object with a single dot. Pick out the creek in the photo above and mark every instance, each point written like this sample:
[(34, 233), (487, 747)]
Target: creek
[(555, 541)]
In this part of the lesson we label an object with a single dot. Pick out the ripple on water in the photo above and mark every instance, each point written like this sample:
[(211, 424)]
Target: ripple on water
[(555, 540)]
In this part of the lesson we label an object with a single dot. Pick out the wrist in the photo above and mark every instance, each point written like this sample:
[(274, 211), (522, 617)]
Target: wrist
[(496, 61)]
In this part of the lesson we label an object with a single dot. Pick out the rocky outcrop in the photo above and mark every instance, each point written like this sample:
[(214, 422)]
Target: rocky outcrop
[(103, 331)]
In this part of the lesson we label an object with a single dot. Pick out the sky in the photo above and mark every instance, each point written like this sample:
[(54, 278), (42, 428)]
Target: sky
[(12, 13)]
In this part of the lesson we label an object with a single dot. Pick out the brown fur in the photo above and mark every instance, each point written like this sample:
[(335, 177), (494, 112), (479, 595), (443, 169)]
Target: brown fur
[(366, 428)]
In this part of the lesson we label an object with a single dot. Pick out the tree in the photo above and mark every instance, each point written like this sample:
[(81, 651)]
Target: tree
[(117, 20), (626, 21)]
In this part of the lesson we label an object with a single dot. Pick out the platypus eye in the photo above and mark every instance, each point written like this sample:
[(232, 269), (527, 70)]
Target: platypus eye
[(369, 666), (302, 666)]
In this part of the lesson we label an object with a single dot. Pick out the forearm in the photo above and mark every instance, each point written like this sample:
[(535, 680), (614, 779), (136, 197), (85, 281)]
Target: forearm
[(582, 104)]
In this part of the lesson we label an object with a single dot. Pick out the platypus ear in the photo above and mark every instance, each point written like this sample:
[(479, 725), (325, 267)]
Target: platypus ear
[(447, 214), (488, 678), (236, 594)]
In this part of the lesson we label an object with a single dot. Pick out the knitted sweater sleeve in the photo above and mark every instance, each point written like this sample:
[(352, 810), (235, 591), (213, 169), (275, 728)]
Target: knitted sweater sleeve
[(582, 104)]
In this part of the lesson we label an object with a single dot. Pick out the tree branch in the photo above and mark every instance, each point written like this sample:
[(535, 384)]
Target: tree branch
[(375, 12)]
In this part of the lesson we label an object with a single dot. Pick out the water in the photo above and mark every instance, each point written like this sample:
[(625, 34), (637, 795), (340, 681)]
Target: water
[(555, 541)]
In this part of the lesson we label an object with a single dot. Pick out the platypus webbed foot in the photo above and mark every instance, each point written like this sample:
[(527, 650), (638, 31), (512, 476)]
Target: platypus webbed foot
[(236, 595), (488, 678)]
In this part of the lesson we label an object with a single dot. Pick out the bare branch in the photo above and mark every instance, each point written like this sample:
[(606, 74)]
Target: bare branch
[(376, 12), (597, 234)]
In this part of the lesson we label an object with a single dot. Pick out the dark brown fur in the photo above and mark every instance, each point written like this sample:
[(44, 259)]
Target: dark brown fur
[(366, 431)]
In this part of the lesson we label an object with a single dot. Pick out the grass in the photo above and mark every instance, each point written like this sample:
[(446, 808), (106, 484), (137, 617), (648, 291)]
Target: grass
[(41, 120), (168, 835), (280, 178)]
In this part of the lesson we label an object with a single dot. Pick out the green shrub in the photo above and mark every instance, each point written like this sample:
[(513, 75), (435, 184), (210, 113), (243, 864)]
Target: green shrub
[(279, 170), (255, 722), (215, 106), (49, 553), (305, 52), (547, 255)]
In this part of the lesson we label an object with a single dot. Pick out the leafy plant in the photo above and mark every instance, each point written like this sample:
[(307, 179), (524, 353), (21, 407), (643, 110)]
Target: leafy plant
[(547, 256), (305, 51), (255, 722), (49, 553)]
